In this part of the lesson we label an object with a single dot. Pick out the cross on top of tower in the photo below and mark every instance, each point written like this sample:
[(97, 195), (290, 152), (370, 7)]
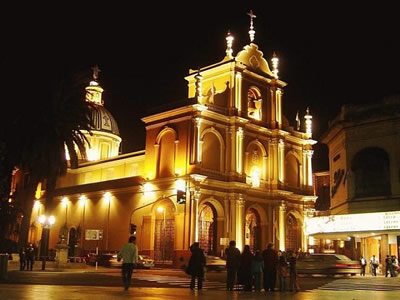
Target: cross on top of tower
[(252, 32), (96, 71)]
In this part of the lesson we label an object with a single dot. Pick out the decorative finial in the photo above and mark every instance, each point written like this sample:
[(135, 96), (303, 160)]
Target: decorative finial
[(251, 31), (229, 40), (298, 121), (308, 122), (96, 71), (275, 62)]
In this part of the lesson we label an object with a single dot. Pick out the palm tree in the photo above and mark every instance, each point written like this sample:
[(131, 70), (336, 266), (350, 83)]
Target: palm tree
[(41, 133)]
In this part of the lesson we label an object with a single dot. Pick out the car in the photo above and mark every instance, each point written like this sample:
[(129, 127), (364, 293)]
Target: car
[(104, 259), (145, 262), (329, 264), (215, 263)]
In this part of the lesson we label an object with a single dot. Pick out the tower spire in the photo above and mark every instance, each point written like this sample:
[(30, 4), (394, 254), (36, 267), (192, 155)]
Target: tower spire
[(94, 90), (96, 70), (252, 32), (275, 62)]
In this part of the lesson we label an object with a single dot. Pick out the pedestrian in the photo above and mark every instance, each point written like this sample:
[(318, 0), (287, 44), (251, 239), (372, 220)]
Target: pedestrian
[(232, 264), (388, 266), (257, 268), (374, 263), (270, 256), (244, 273), (393, 266), (283, 272), (363, 263), (129, 256), (22, 259), (196, 266), (293, 283), (30, 257)]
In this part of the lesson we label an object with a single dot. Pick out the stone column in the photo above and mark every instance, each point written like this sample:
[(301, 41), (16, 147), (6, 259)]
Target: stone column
[(281, 161), (239, 150), (282, 221), (240, 222)]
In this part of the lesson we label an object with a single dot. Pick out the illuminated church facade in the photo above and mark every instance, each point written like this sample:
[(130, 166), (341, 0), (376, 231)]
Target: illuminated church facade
[(244, 173)]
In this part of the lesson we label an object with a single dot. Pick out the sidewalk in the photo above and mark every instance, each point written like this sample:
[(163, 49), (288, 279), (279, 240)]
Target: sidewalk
[(69, 267)]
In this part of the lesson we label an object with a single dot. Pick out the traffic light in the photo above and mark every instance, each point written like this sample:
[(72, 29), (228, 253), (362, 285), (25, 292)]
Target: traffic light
[(133, 229), (180, 197)]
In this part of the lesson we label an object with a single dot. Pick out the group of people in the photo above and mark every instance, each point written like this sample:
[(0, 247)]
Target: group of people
[(26, 257), (248, 269), (391, 265)]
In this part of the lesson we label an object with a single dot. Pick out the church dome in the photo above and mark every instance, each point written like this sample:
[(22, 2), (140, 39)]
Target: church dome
[(103, 120)]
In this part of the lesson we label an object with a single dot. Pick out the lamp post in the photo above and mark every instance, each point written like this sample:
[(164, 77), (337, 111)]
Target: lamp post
[(161, 209), (46, 223)]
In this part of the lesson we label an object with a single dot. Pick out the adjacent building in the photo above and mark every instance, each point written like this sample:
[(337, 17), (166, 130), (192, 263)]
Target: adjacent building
[(364, 160)]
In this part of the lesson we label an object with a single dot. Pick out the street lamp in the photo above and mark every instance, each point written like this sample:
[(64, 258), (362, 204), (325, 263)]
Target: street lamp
[(46, 223), (161, 209)]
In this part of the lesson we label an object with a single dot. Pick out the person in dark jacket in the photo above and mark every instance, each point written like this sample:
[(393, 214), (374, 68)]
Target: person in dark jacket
[(196, 266), (270, 256), (244, 273), (30, 257), (22, 259), (232, 264)]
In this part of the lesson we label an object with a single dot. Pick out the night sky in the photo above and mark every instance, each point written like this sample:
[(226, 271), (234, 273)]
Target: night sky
[(328, 55)]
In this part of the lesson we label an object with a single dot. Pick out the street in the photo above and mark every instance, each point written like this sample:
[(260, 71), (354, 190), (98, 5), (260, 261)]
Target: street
[(85, 282)]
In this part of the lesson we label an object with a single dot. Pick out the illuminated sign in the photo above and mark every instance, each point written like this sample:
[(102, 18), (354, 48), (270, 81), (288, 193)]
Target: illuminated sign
[(93, 234), (354, 222)]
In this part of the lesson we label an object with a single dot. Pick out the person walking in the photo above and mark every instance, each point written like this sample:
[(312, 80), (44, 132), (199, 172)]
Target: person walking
[(374, 263), (196, 266), (270, 256), (30, 257), (363, 263), (22, 259), (257, 268), (388, 266), (293, 283), (232, 264), (244, 273), (129, 256)]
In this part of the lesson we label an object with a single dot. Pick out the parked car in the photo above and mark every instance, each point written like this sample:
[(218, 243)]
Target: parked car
[(145, 262), (329, 264), (215, 263)]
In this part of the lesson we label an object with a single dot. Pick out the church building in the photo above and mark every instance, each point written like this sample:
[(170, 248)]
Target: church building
[(223, 165)]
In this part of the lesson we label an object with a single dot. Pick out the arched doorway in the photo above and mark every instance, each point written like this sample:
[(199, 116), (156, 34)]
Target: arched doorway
[(208, 229), (164, 235), (72, 242), (253, 230), (292, 233)]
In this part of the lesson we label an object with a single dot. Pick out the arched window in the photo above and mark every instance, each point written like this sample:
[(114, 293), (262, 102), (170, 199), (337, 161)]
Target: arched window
[(292, 171), (167, 155), (253, 230), (371, 172), (254, 103), (211, 152)]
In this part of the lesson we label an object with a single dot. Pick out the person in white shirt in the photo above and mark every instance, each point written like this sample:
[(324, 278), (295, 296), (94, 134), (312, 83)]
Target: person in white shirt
[(129, 256), (363, 262), (374, 264)]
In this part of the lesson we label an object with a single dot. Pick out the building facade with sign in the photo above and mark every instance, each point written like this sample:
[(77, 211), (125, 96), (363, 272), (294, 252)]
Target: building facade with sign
[(364, 160), (245, 174)]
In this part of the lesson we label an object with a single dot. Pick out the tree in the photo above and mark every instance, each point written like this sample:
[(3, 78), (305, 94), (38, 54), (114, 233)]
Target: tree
[(47, 117)]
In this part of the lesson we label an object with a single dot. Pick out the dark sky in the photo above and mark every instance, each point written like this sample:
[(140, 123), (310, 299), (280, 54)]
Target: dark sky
[(329, 55)]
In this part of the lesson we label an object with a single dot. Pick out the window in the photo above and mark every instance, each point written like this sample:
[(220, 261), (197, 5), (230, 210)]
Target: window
[(254, 103), (371, 172)]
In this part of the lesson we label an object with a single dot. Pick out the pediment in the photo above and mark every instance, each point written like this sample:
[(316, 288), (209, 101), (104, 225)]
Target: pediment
[(253, 58)]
